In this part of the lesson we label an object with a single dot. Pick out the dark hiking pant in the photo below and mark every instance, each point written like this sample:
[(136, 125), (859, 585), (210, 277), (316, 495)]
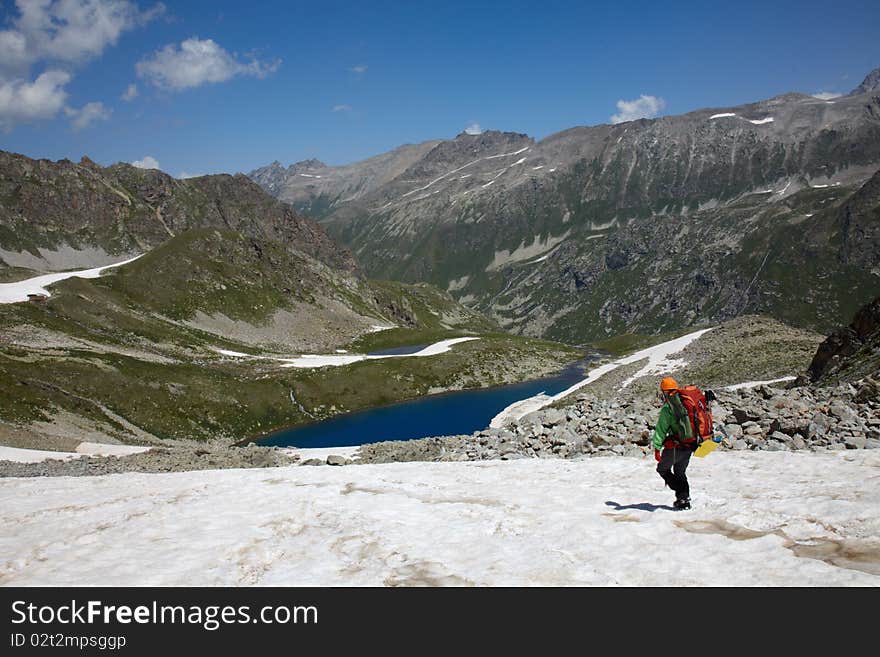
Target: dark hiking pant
[(673, 463)]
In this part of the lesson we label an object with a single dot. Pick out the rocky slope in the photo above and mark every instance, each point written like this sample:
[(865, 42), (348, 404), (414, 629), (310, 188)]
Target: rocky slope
[(60, 215), (643, 226), (851, 352), (764, 418), (605, 419)]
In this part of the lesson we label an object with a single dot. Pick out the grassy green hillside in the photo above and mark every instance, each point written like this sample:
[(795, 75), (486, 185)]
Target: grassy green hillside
[(121, 356)]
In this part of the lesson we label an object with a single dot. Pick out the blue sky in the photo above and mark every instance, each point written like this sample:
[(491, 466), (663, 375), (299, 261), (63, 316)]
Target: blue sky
[(230, 86)]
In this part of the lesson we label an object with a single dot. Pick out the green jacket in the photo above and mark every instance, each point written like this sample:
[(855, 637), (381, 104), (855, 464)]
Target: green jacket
[(666, 426)]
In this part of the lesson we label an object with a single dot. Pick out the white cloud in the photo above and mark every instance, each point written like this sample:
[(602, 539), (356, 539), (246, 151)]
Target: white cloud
[(360, 69), (131, 92), (59, 34), (87, 114), (183, 175), (474, 129), (826, 95), (148, 162), (14, 47), (643, 107), (342, 108), (22, 101), (196, 62), (71, 31)]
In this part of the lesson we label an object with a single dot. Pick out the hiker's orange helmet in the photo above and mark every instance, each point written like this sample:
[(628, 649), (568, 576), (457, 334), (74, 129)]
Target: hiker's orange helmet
[(668, 384)]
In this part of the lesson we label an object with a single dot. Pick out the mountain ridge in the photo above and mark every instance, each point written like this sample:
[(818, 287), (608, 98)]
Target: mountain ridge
[(870, 84), (122, 209), (584, 206)]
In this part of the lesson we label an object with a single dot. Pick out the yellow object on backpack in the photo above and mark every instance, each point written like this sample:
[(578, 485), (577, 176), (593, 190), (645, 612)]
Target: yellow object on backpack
[(706, 447)]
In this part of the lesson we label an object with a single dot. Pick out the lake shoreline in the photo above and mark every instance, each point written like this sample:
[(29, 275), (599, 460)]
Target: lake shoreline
[(579, 366)]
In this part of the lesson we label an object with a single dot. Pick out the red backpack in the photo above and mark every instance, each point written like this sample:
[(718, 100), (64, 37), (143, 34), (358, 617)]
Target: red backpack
[(697, 407)]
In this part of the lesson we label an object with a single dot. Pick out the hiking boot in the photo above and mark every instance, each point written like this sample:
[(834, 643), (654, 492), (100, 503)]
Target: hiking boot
[(683, 504)]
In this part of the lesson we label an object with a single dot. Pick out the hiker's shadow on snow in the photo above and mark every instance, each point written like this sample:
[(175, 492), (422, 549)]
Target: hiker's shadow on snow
[(644, 506)]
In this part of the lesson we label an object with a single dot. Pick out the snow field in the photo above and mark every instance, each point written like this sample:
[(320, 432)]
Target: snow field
[(759, 519)]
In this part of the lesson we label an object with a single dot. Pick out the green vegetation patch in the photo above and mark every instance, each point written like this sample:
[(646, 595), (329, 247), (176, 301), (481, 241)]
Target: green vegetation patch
[(216, 272), (627, 343)]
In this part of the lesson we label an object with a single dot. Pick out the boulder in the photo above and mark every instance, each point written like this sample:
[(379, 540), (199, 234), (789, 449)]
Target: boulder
[(507, 448), (642, 438), (743, 415), (734, 431), (754, 440), (607, 439), (855, 442), (868, 390), (719, 413), (788, 426), (816, 431), (552, 417), (843, 411)]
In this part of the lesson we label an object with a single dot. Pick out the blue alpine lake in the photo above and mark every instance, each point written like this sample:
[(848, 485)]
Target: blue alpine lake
[(445, 414)]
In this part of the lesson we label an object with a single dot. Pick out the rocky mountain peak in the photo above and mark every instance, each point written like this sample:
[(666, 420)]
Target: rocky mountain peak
[(86, 161), (464, 147), (276, 168), (491, 137), (782, 99), (270, 177), (491, 142), (869, 84), (307, 165)]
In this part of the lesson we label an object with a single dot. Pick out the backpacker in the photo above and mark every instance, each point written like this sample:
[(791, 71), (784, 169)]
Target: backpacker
[(698, 426), (697, 407)]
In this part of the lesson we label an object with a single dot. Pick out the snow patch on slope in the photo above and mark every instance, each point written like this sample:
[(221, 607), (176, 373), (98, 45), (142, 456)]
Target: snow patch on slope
[(755, 384), (767, 119), (658, 361), (310, 360), (19, 291), (338, 359), (20, 455), (526, 251)]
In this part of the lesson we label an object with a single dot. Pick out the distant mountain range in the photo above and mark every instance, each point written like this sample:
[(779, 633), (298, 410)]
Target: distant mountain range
[(643, 226)]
